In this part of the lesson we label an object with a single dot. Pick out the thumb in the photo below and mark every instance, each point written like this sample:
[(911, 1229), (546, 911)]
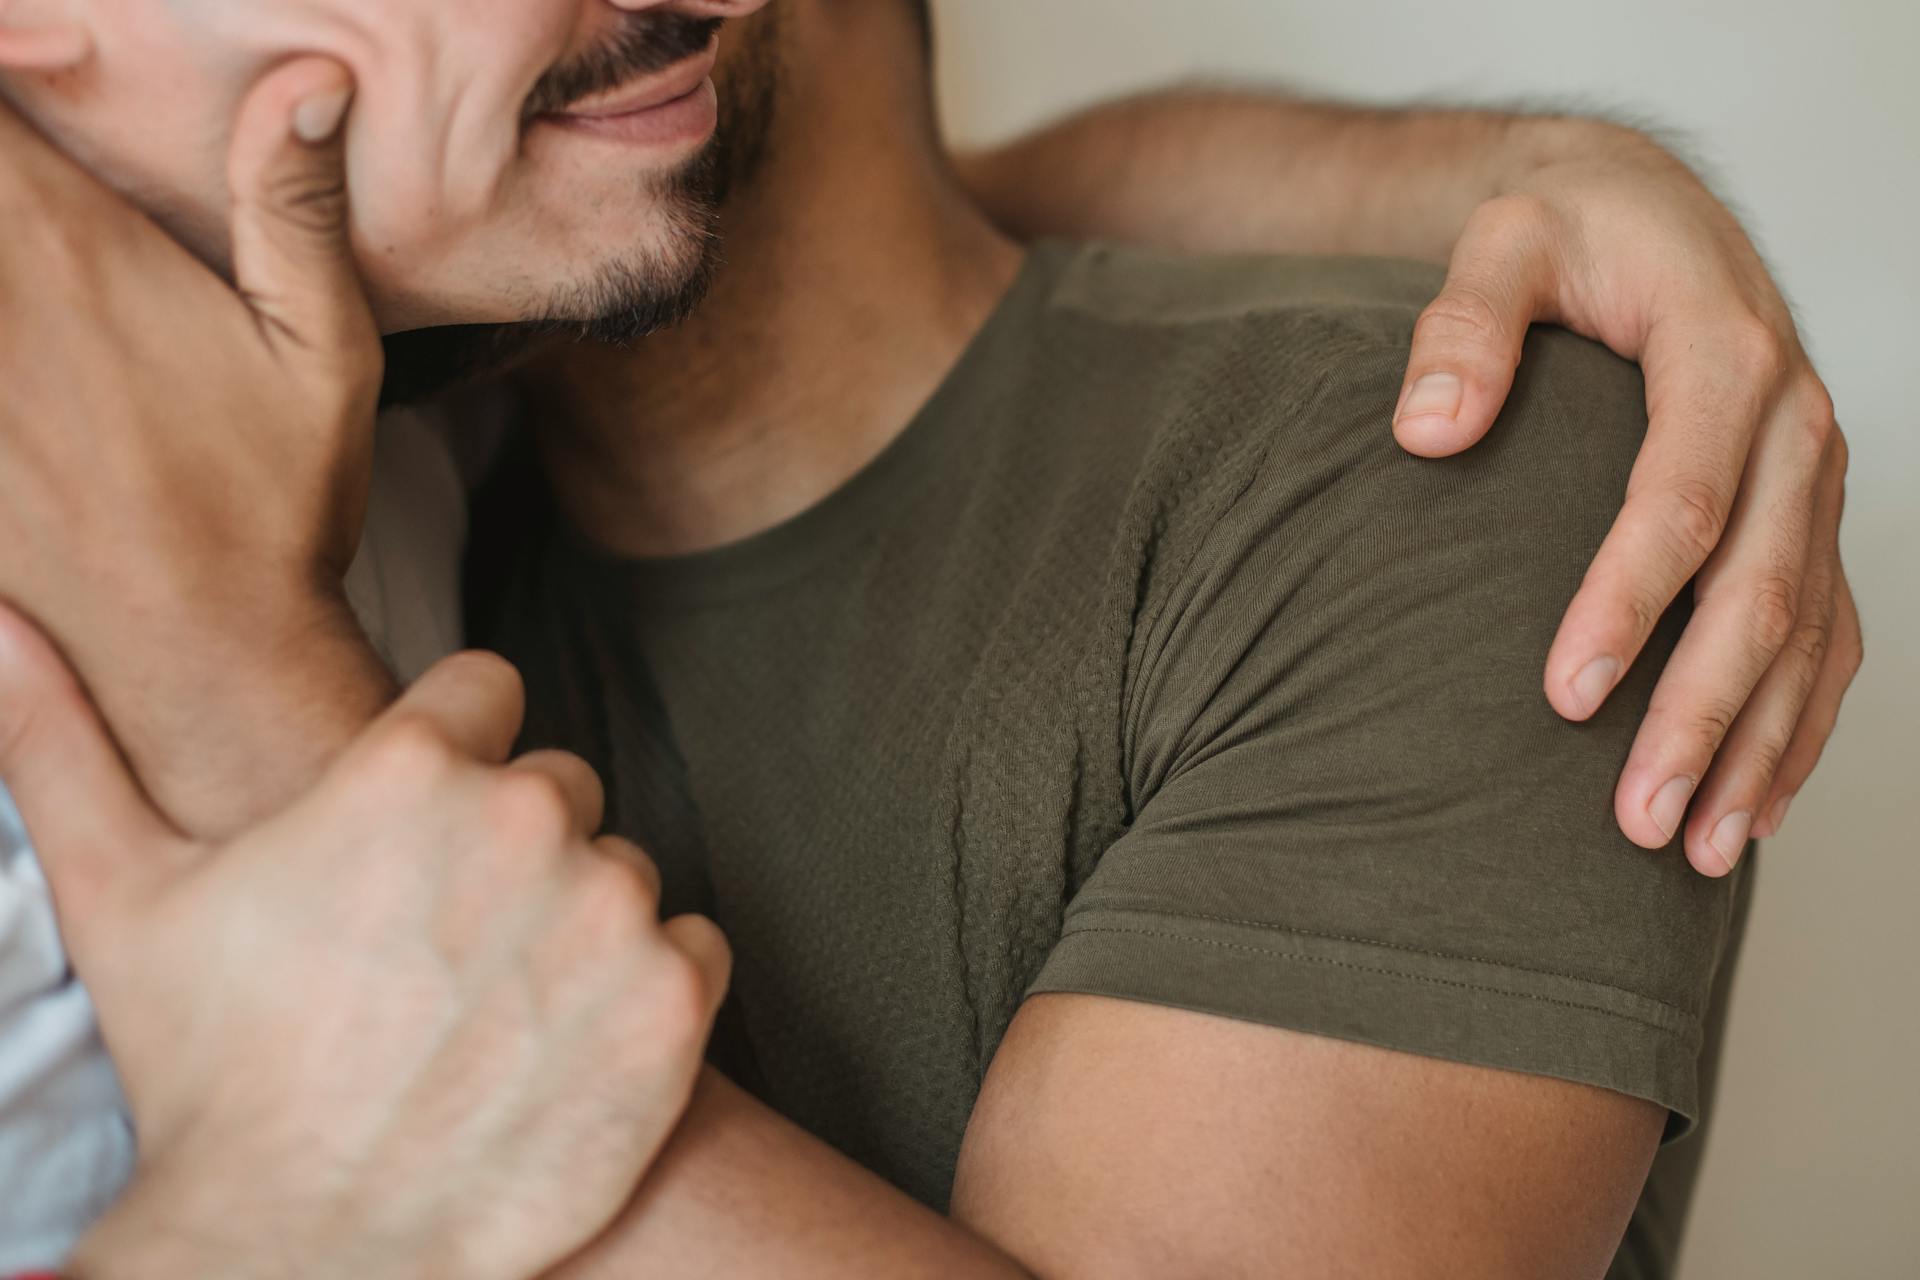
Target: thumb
[(91, 825), (1466, 344), (292, 249)]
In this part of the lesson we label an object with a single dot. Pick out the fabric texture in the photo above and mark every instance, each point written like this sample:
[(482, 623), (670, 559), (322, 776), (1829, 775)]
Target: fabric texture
[(1143, 664)]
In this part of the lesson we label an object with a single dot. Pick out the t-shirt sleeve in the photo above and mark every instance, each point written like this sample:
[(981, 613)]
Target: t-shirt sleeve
[(1354, 812)]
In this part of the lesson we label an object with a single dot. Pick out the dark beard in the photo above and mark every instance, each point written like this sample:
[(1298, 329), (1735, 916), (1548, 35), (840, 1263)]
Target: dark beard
[(624, 304), (630, 300)]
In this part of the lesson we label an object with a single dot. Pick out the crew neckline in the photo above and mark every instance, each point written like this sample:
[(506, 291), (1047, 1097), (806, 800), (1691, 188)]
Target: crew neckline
[(851, 513)]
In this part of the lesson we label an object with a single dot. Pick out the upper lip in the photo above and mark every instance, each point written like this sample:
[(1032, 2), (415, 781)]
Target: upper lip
[(658, 89)]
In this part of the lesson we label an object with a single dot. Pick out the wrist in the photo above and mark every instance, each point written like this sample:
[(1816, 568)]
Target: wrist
[(291, 700), (229, 712), (1536, 144)]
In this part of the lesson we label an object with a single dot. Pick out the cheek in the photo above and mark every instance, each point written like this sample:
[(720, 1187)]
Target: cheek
[(434, 142), (165, 155)]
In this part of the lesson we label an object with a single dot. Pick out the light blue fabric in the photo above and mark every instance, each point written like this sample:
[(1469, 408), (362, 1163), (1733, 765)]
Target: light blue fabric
[(66, 1146)]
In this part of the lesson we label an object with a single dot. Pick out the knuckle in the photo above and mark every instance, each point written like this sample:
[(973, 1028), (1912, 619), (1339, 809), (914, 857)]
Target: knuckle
[(676, 996), (1807, 646), (633, 864), (1853, 653), (1513, 216), (1709, 724), (1775, 609), (411, 750), (700, 931), (697, 934), (1815, 434), (1841, 453), (1816, 423), (689, 997), (1644, 606), (624, 879), (1696, 517), (1817, 403), (1766, 752), (1758, 350), (1459, 311), (608, 910), (528, 810)]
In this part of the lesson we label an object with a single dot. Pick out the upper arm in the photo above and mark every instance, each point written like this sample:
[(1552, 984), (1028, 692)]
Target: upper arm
[(1114, 1138), (1382, 972)]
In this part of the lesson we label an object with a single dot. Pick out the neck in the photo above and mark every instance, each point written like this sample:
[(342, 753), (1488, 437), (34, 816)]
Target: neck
[(856, 273)]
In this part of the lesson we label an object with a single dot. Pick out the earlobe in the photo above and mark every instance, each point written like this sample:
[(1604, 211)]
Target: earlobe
[(41, 35)]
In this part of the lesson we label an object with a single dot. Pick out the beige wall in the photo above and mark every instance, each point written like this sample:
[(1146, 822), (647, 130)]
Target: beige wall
[(1810, 116)]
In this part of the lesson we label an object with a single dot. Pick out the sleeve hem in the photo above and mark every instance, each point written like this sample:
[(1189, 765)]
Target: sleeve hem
[(1463, 1010)]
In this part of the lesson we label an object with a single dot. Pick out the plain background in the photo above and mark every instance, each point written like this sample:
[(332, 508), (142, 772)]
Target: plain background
[(1809, 118)]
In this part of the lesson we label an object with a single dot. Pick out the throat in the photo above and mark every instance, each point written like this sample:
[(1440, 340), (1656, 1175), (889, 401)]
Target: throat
[(811, 356)]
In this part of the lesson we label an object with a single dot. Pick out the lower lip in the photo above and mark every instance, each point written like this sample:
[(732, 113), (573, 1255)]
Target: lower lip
[(689, 118)]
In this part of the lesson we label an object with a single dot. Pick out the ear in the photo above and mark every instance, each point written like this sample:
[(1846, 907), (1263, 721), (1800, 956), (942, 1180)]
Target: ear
[(42, 35)]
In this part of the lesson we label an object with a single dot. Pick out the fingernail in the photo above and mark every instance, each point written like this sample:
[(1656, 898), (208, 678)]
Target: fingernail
[(317, 117), (1777, 816), (1729, 838), (1595, 682), (1434, 395), (1669, 805)]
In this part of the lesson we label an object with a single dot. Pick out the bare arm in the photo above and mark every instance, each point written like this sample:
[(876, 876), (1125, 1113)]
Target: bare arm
[(233, 735), (1259, 171), (1547, 219), (742, 1191), (1115, 1139)]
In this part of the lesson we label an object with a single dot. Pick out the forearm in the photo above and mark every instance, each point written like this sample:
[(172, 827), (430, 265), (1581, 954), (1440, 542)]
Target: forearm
[(228, 713), (740, 1191), (1217, 170)]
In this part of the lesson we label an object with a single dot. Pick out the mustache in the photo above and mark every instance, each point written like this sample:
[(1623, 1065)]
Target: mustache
[(643, 44)]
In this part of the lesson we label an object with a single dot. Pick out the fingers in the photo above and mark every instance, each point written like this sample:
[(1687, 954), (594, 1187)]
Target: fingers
[(1820, 715), (635, 859), (475, 701), (1749, 600), (696, 937), (1678, 504), (1466, 344), (91, 824), (586, 797), (1729, 807), (292, 250), (702, 942)]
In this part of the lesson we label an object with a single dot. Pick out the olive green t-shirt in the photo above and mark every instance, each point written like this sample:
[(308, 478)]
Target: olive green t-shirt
[(1143, 663)]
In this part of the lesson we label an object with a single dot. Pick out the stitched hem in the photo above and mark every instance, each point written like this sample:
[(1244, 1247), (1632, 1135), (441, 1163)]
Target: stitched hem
[(1463, 1010), (1683, 1017)]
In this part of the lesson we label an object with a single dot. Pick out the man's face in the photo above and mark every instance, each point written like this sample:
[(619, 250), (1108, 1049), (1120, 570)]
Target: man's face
[(508, 160)]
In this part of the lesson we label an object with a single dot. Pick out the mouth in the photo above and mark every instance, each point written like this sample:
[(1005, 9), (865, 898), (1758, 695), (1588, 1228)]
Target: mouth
[(675, 105)]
